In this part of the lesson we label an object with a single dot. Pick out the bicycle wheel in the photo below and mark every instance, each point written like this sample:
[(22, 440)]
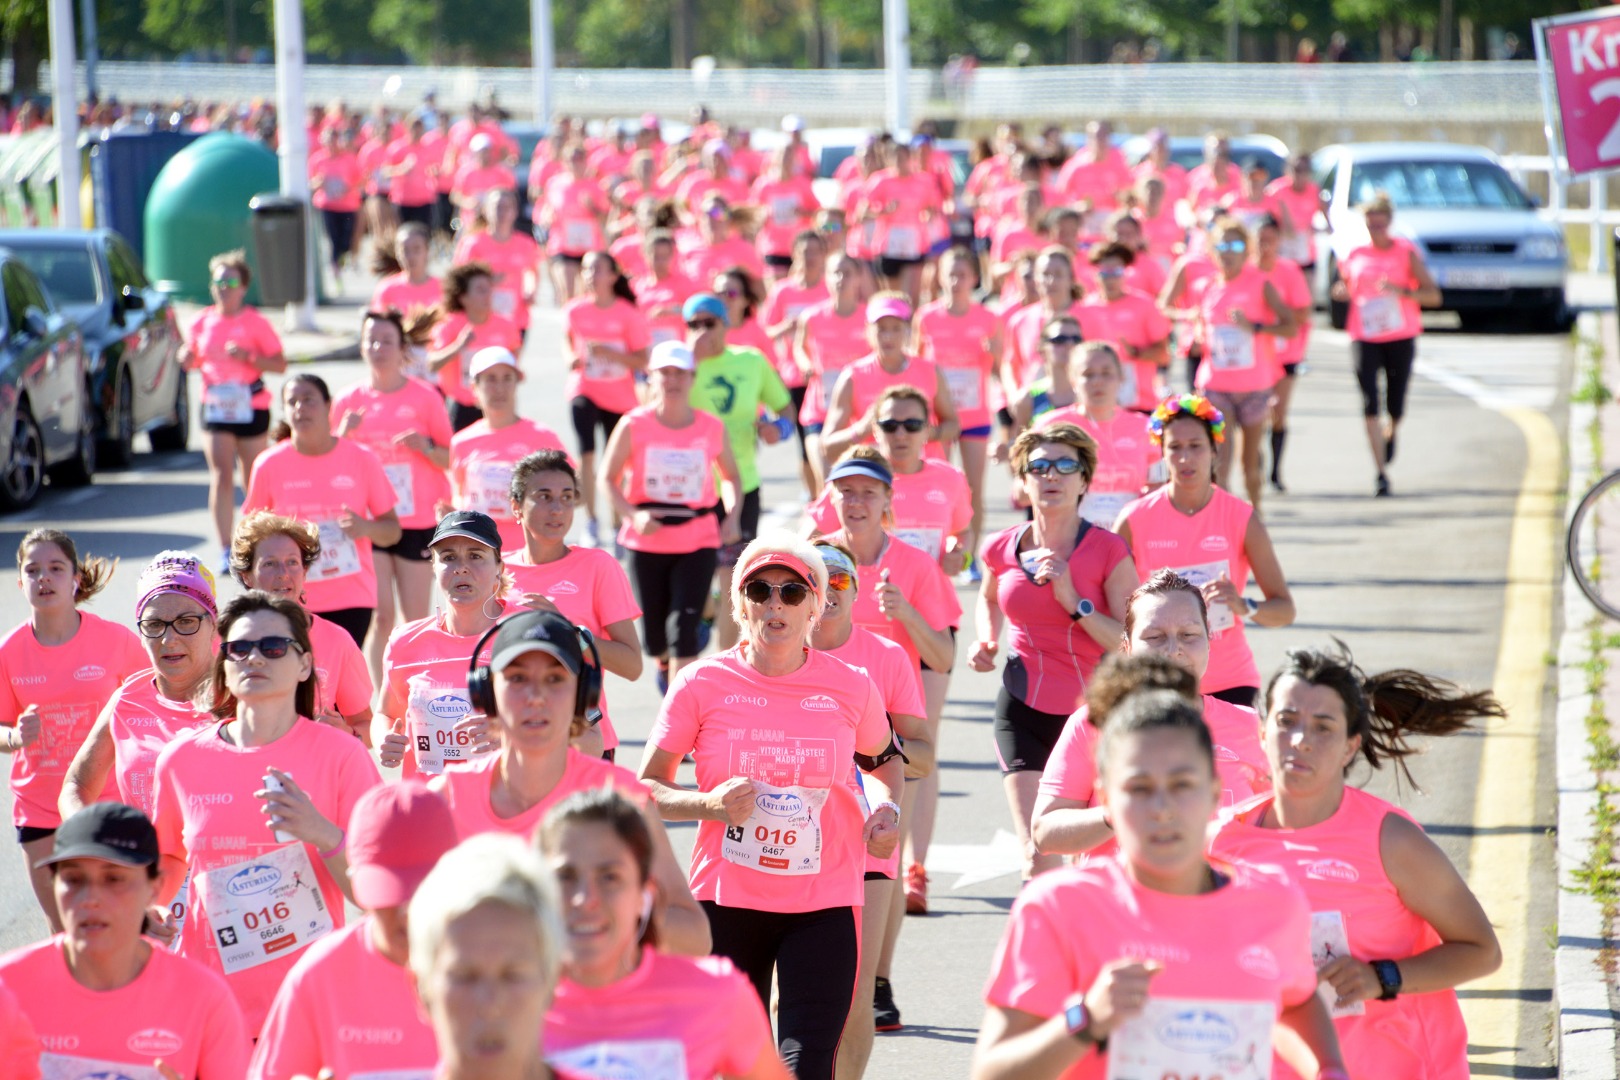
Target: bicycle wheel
[(1592, 545)]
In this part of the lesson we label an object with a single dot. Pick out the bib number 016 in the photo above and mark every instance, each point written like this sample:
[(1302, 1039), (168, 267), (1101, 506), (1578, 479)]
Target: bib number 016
[(779, 837), (266, 916)]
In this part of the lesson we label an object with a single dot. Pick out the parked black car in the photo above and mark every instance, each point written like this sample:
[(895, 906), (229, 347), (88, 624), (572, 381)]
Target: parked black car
[(132, 342)]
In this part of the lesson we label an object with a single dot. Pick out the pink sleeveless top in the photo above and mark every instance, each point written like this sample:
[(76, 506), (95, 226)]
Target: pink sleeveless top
[(1199, 548), (673, 466), (1341, 868), (832, 341), (1374, 314), (868, 380), (1236, 360)]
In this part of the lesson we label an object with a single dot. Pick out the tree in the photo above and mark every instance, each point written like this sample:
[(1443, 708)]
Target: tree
[(25, 24), (440, 31)]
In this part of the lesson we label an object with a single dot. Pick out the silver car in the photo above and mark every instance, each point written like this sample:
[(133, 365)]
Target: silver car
[(1491, 254)]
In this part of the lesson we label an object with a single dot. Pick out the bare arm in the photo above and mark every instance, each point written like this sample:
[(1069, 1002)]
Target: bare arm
[(1277, 609), (1427, 293), (1062, 826), (1016, 1045), (1306, 1039), (675, 803), (685, 926), (619, 645), (950, 426), (842, 428), (88, 771)]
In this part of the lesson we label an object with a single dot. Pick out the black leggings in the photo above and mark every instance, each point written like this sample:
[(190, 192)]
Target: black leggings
[(815, 955), (340, 231), (355, 620), (588, 416), (1024, 735), (672, 589), (1394, 359)]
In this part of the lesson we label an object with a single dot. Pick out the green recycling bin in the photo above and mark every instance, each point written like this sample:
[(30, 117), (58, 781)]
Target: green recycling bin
[(199, 207)]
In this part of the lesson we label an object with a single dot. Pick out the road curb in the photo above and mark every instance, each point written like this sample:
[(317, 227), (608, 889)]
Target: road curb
[(1588, 1038)]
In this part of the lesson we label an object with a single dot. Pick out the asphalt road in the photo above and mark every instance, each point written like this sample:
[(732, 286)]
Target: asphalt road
[(1418, 580)]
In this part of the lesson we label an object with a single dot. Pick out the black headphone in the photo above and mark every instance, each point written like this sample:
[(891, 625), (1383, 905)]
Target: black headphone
[(587, 692)]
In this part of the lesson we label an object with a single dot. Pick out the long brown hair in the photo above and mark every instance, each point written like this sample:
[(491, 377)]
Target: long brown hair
[(604, 806), (240, 607), (90, 574), (1118, 677)]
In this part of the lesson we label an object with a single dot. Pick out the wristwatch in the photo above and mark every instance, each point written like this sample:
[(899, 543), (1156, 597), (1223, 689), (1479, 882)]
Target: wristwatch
[(1252, 605), (1086, 608), (1389, 978), (1078, 1019)]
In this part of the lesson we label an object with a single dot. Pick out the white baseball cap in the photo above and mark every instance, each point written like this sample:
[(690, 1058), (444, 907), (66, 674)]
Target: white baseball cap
[(493, 356), (480, 141), (671, 354), (792, 122)]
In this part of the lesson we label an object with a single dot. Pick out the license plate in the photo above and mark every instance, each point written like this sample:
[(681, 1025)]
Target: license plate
[(1475, 279)]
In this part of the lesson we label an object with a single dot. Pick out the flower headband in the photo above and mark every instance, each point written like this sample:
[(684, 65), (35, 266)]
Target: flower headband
[(1192, 405)]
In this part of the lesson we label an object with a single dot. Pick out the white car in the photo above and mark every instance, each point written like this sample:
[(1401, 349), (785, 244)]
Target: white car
[(1489, 251)]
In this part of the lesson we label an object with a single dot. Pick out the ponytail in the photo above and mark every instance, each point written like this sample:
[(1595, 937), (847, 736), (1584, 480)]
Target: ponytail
[(1387, 709)]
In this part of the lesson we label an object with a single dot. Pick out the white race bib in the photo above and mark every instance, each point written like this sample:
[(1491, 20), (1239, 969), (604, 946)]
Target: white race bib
[(339, 555), (489, 489), (625, 1059), (1103, 507), (432, 712), (931, 541), (829, 380), (400, 477), (784, 210), (675, 474), (265, 907), (578, 235), (1231, 348), (903, 242), (333, 188), (661, 334), (177, 910), (966, 386), (1127, 382), (1186, 1038), (228, 403), (68, 1067), (783, 833), (1220, 616), (1329, 942), (601, 367), (1296, 246), (1380, 315), (504, 301)]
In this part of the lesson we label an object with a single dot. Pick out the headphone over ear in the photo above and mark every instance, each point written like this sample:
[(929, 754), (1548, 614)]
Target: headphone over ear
[(588, 688)]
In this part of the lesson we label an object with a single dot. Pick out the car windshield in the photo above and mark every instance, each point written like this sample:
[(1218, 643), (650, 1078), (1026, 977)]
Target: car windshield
[(1437, 185), (67, 272)]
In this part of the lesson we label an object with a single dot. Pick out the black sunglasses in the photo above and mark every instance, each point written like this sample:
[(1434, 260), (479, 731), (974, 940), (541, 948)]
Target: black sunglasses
[(889, 427), (702, 324), (185, 626), (793, 593), (1064, 339), (1046, 466), (273, 647)]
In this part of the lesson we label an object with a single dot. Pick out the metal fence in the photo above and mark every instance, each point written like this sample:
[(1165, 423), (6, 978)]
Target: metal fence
[(1236, 94)]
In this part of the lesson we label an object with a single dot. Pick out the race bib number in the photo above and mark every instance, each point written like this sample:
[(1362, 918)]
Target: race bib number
[(1231, 348), (489, 485), (1182, 1038), (602, 368), (1329, 942), (966, 386), (661, 334), (68, 1067), (228, 403), (1296, 246), (504, 301), (1103, 507), (265, 908), (784, 210), (1380, 315), (904, 242), (931, 541), (782, 834), (340, 557), (432, 712), (401, 479), (1220, 616), (829, 380), (675, 474), (177, 910), (333, 188), (578, 235), (626, 1059)]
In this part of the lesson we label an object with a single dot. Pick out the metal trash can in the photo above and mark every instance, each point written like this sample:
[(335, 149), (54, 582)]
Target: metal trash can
[(280, 242)]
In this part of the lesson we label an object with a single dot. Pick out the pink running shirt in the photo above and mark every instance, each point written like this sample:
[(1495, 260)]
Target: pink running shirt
[(514, 260), (929, 506), (426, 670), (920, 580), (453, 378), (788, 302), (142, 722), (419, 485), (1295, 292), (608, 384), (1376, 315), (1133, 320), (1125, 454), (1236, 360), (210, 333), (960, 346), (396, 291), (481, 463), (670, 466), (661, 295), (467, 789), (832, 342), (342, 680)]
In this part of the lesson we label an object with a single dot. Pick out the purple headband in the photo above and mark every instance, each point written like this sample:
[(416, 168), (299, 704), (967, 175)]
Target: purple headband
[(176, 572)]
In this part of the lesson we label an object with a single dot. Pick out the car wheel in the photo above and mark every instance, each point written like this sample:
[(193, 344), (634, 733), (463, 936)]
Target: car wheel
[(173, 437), (117, 450), (24, 470), (80, 469)]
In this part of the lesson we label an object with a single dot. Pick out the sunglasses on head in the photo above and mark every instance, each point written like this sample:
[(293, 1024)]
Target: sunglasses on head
[(1064, 339), (793, 593), (1231, 247), (702, 324), (273, 647), (889, 427), (1047, 466)]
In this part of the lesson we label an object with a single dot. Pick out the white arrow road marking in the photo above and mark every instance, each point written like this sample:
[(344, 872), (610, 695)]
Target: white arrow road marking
[(978, 863)]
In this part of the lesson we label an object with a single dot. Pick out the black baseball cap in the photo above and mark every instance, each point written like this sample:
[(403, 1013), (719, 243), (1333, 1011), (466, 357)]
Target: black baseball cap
[(472, 525), (537, 631), (112, 832)]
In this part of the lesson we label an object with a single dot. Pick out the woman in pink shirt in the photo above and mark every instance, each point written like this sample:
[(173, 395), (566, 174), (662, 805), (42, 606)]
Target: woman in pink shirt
[(1128, 461), (1166, 620), (803, 288), (469, 324), (831, 335), (1098, 960), (773, 726), (1179, 299), (606, 341), (1211, 538), (1060, 586), (665, 457), (1241, 319), (338, 486), (232, 346), (483, 454), (573, 211), (1385, 283), (1132, 323), (1297, 193), (662, 290), (1395, 928), (902, 202), (58, 670), (621, 1000), (412, 169), (1057, 294), (337, 186), (403, 421), (249, 807), (512, 256), (720, 243), (357, 979), (790, 204), (103, 997), (744, 294), (175, 614), (1292, 285), (888, 331), (412, 290)]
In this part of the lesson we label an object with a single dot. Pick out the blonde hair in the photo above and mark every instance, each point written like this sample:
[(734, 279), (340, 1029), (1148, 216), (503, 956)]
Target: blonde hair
[(260, 526), (1070, 435), (1088, 349), (490, 868), (781, 542), (1378, 202)]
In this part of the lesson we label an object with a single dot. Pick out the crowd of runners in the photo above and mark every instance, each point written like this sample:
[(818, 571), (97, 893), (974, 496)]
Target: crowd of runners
[(400, 706)]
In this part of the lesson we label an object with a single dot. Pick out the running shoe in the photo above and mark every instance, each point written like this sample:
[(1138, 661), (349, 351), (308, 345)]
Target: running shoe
[(705, 634), (225, 561), (1382, 490), (661, 678), (885, 1014), (1389, 448), (593, 535), (916, 890)]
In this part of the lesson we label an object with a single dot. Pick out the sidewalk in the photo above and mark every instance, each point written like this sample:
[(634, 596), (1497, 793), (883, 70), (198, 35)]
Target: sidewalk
[(1587, 989)]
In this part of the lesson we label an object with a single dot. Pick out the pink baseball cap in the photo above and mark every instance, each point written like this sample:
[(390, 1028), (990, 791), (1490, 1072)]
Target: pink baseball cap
[(887, 307), (396, 835), (767, 559)]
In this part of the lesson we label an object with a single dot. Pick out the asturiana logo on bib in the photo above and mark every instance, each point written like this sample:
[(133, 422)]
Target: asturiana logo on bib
[(1198, 1031), (1331, 870), (154, 1042), (564, 588), (255, 879), (448, 707), (342, 482), (90, 673), (1259, 961), (1213, 543), (780, 804), (819, 703)]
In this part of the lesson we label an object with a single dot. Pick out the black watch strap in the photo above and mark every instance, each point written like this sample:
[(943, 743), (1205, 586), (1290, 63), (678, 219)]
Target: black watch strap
[(1389, 978)]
